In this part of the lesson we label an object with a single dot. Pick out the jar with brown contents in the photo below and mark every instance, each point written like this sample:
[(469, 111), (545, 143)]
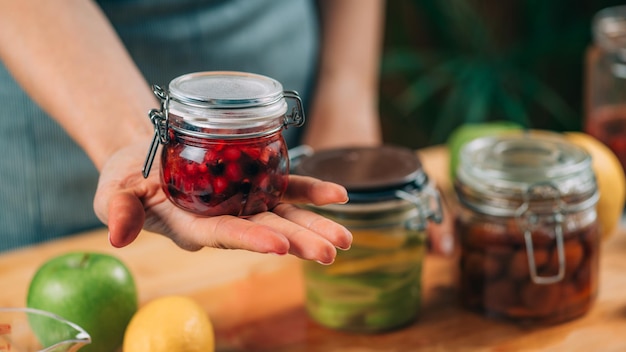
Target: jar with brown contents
[(527, 226)]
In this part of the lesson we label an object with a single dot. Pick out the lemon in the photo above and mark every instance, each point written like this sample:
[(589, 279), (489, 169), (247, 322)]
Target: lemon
[(170, 324), (610, 178)]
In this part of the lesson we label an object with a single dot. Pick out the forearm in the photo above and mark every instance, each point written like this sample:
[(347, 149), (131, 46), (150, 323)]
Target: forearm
[(346, 98), (69, 60)]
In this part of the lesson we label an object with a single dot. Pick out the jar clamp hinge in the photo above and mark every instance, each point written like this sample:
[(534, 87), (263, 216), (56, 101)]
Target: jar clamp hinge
[(159, 119), (428, 204), (296, 117), (526, 219)]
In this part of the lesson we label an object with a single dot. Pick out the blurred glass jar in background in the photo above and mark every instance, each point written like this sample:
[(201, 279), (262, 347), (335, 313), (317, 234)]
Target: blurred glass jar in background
[(376, 284), (605, 86), (528, 228)]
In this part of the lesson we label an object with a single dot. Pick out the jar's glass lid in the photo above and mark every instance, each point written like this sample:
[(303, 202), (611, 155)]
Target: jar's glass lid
[(513, 163), (225, 89), (226, 104), (368, 173)]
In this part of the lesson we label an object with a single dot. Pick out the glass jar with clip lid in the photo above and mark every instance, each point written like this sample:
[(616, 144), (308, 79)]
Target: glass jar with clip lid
[(527, 225), (223, 150), (376, 284)]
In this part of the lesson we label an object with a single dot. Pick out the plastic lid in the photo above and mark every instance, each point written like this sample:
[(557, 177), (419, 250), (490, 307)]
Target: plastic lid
[(225, 89), (226, 104), (368, 173)]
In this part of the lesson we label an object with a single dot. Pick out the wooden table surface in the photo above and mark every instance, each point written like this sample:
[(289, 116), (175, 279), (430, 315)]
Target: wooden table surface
[(256, 301)]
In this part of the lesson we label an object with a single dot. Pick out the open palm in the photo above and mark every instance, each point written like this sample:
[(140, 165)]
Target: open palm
[(128, 203)]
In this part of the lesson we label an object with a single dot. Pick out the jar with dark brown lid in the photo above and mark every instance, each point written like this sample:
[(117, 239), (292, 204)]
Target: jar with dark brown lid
[(376, 284), (223, 151), (528, 229)]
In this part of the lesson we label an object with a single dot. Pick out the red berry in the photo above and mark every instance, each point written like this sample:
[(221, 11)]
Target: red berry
[(190, 169), (231, 154), (266, 154), (210, 155), (254, 152), (219, 185), (233, 172), (231, 177), (264, 182)]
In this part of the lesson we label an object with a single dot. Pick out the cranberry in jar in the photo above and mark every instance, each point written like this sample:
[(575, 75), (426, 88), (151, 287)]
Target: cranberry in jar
[(223, 149), (528, 228)]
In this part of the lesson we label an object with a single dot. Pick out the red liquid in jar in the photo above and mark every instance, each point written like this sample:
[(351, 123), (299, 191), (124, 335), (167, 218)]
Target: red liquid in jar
[(237, 177), (608, 124)]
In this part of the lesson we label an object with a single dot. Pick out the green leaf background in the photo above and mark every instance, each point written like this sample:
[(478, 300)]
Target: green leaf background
[(447, 62)]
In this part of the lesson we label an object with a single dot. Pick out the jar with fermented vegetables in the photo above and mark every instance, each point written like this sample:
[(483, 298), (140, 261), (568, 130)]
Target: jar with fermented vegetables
[(376, 284)]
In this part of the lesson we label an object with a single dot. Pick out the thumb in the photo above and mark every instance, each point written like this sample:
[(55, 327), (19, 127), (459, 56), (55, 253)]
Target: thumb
[(126, 217)]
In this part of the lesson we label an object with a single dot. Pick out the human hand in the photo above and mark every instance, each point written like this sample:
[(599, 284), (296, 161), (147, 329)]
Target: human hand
[(127, 202)]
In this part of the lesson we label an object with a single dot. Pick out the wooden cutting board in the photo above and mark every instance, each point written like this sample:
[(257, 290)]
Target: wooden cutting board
[(256, 301)]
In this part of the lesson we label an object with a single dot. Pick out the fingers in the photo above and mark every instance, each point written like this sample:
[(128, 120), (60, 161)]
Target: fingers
[(310, 235), (304, 189), (286, 230), (230, 232), (336, 234)]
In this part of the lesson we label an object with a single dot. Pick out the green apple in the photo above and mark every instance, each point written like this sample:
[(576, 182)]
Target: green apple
[(470, 131), (93, 290)]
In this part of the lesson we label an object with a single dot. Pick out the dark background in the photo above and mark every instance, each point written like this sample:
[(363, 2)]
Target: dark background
[(447, 62)]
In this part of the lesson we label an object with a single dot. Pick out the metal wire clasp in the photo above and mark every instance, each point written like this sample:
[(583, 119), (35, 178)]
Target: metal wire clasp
[(296, 117), (527, 219), (159, 119), (428, 204)]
